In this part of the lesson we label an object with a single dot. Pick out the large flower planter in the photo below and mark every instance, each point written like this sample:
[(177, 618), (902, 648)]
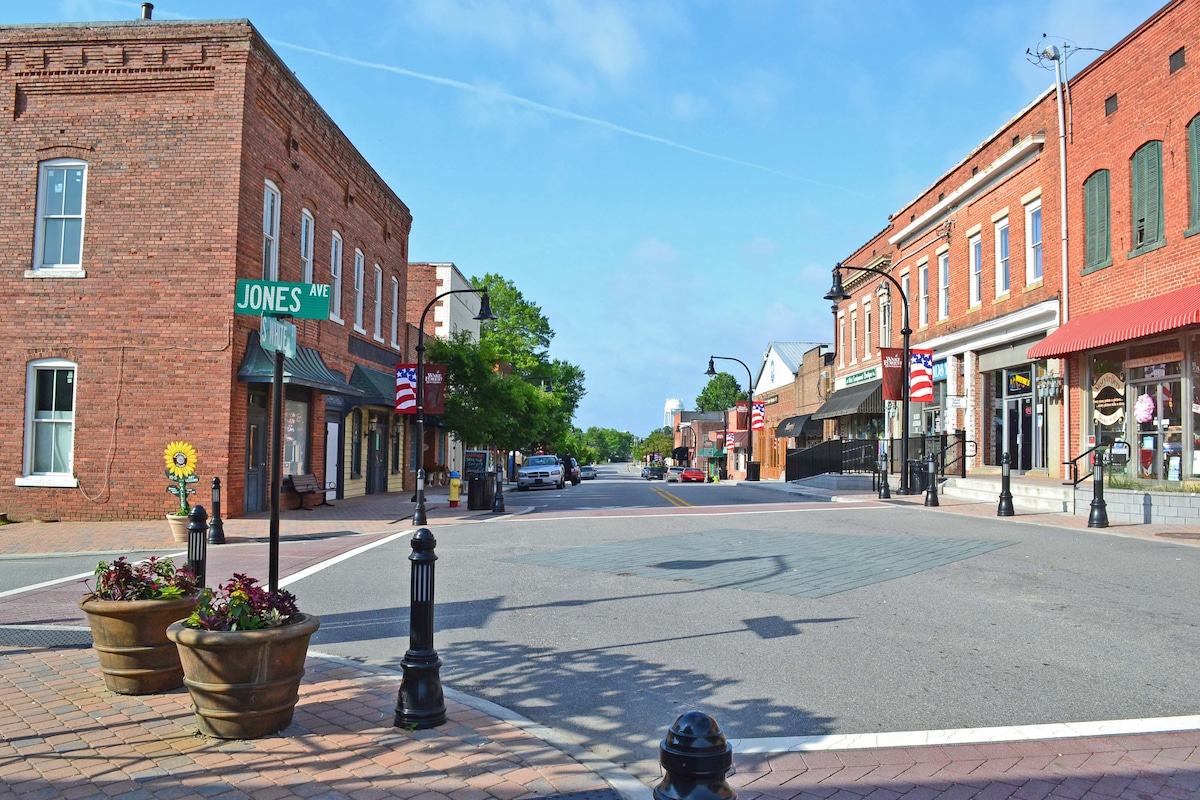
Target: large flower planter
[(244, 684), (130, 639), (179, 528)]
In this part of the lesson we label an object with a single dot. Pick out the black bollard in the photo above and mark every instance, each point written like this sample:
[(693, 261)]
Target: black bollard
[(695, 759), (498, 499), (931, 498), (197, 554), (216, 528), (885, 491), (420, 704), (1005, 509), (1098, 518)]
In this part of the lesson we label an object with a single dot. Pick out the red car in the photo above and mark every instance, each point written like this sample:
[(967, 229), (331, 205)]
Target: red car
[(692, 475)]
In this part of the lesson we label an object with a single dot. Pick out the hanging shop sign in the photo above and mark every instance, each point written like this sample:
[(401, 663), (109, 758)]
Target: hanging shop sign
[(1108, 399)]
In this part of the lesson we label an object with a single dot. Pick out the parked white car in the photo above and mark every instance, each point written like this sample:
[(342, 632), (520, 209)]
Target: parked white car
[(541, 471), (673, 474)]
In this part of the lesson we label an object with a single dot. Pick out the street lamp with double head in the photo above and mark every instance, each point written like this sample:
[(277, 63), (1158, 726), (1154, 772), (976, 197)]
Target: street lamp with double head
[(751, 472), (837, 294), (485, 314)]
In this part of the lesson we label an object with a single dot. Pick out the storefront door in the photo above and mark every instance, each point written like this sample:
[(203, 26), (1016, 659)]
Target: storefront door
[(1160, 430), (1018, 432), (255, 497), (376, 453)]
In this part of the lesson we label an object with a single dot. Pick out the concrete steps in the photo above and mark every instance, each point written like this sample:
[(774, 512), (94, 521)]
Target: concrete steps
[(1042, 498)]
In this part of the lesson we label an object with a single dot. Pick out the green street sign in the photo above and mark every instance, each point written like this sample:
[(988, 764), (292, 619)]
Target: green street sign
[(280, 299), (278, 336)]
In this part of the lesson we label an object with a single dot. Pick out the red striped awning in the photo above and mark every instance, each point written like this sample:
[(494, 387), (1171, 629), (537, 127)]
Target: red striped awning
[(1144, 318)]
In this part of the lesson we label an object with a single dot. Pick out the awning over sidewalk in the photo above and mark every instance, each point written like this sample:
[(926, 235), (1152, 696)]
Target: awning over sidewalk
[(802, 425), (378, 387), (306, 369), (865, 398), (1133, 321)]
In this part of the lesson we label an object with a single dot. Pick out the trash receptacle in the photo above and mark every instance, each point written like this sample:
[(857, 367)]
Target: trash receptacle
[(478, 496), (918, 476), (753, 471)]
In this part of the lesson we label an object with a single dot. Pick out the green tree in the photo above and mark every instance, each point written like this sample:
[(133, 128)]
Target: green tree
[(521, 335), (659, 441), (609, 443), (722, 392)]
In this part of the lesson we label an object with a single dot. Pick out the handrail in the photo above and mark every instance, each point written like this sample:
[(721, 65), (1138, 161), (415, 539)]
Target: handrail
[(1075, 479), (970, 449)]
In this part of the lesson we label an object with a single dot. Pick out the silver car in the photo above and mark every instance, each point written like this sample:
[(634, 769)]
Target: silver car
[(541, 471), (672, 474)]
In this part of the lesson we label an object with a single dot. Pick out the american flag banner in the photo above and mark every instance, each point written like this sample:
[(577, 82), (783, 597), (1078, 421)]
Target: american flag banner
[(729, 440), (758, 417), (920, 376), (406, 388)]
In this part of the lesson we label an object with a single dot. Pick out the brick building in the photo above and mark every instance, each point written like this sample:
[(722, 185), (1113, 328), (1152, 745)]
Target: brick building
[(789, 387), (151, 165), (1050, 337)]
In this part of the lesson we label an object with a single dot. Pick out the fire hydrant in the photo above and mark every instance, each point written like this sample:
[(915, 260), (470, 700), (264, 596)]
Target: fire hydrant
[(455, 486)]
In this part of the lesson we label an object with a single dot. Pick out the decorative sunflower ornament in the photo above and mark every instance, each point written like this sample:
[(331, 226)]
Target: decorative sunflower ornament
[(181, 469), (181, 459)]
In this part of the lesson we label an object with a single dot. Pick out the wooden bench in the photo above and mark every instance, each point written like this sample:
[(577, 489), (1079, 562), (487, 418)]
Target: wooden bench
[(304, 485)]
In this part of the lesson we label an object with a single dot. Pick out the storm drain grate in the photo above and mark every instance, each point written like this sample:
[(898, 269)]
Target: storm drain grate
[(44, 636)]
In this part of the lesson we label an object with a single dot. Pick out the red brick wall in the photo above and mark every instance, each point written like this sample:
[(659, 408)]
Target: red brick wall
[(179, 123)]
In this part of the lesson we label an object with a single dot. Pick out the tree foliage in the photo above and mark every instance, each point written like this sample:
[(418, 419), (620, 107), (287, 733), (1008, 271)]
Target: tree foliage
[(659, 441), (609, 443), (521, 334), (722, 392)]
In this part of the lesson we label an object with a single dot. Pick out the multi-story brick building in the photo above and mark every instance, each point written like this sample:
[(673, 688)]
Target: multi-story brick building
[(150, 166), (1051, 337)]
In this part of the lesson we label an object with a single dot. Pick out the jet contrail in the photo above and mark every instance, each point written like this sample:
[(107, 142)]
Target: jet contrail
[(545, 109)]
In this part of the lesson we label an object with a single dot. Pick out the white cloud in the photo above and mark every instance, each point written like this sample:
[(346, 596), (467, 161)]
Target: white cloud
[(757, 92)]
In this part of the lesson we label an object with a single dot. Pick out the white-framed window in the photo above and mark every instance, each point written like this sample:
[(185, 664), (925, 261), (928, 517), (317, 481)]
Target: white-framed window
[(944, 285), (306, 246), (270, 232), (1003, 276), (866, 331), (61, 195), (975, 255), (378, 303), (360, 267), (395, 312), (923, 290), (842, 339), (49, 424), (335, 278), (1033, 242), (854, 336), (885, 319)]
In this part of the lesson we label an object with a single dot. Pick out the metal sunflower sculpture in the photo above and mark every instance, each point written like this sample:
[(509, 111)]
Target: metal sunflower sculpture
[(181, 468)]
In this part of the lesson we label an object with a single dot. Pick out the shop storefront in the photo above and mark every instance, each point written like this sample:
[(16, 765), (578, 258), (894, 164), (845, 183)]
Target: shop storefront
[(856, 405)]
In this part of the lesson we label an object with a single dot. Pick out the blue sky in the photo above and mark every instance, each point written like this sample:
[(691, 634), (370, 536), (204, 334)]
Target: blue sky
[(667, 180)]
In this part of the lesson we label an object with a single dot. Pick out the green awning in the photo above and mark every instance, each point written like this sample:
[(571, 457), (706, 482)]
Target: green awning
[(378, 387), (306, 369), (708, 452)]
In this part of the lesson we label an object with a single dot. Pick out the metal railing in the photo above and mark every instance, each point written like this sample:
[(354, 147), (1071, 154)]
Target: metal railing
[(1117, 445), (836, 455)]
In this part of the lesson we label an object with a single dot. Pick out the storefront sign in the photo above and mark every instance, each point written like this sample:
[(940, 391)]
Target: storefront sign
[(855, 378), (1108, 399), (771, 400), (956, 401), (939, 370), (1150, 361)]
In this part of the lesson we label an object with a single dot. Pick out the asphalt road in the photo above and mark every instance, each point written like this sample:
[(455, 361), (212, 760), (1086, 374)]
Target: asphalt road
[(617, 604), (783, 619)]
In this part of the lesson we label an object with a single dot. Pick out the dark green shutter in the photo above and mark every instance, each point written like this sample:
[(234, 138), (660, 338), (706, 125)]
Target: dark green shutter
[(1194, 170), (1153, 192), (1139, 197), (1096, 212)]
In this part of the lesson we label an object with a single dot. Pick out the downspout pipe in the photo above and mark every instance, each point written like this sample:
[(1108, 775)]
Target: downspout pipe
[(1058, 56)]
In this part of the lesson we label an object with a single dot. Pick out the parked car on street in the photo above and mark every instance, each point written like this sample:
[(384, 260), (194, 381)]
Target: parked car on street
[(654, 472), (587, 473), (691, 475), (573, 471), (541, 471), (672, 474)]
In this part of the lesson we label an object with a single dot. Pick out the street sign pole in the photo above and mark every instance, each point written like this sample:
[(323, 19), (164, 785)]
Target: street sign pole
[(276, 468)]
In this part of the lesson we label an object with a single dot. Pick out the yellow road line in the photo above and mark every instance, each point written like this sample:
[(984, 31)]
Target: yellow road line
[(670, 498)]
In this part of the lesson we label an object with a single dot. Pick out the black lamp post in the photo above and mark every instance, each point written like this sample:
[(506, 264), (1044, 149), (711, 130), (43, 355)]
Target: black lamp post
[(751, 473), (485, 314), (837, 294)]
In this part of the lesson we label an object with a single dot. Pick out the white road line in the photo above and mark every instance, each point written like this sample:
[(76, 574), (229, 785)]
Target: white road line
[(81, 576), (1013, 733), (315, 568)]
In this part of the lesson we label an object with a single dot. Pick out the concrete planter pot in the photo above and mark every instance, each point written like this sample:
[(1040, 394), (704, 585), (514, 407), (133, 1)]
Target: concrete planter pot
[(179, 528), (244, 684), (130, 640)]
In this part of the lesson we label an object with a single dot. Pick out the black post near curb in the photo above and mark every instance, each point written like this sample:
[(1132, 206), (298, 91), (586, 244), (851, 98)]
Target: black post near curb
[(197, 549), (1005, 509), (216, 528), (695, 759), (420, 704), (931, 495), (498, 499), (1098, 518), (885, 491)]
